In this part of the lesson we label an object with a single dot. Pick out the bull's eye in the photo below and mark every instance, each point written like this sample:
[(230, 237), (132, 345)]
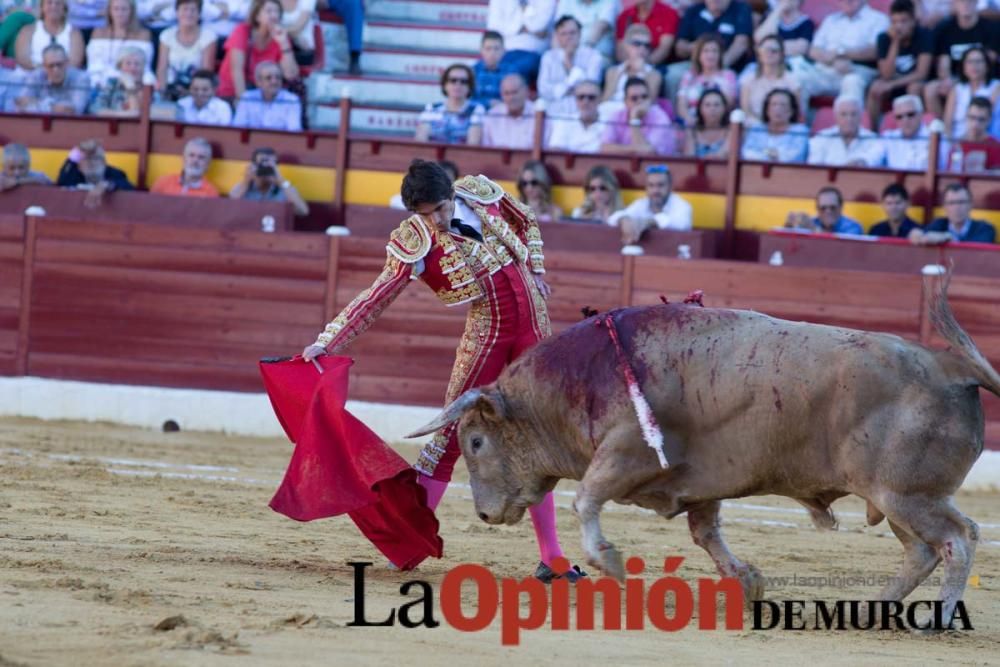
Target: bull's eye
[(476, 444)]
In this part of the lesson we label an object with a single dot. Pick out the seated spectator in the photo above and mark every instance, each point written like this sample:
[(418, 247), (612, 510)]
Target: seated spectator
[(780, 138), (662, 21), (770, 74), (597, 18), (524, 25), (184, 49), (905, 52), (907, 145), (54, 88), (269, 106), (897, 224), (263, 182), (602, 195), (260, 39), (353, 14), (489, 70), (108, 42), (534, 189), (121, 94), (952, 38), (562, 67), (191, 182), (708, 136), (932, 12), (201, 106), (641, 127), (706, 73), (976, 151), (14, 15), (298, 17), (52, 27), (456, 120), (730, 19), (636, 63), (847, 143), (957, 225), (17, 169), (789, 24), (86, 168), (843, 52), (511, 124), (581, 131), (830, 218), (661, 208), (975, 80)]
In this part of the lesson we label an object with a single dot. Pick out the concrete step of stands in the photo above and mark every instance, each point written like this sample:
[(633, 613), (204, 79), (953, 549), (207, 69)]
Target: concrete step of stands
[(373, 89), (402, 63), (414, 36), (398, 122), (470, 12)]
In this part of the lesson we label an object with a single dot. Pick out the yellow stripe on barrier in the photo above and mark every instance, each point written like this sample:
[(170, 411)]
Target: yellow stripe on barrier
[(764, 213), (313, 183)]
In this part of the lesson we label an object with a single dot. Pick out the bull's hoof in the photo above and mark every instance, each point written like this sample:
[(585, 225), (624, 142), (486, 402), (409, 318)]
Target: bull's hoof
[(753, 584), (612, 564)]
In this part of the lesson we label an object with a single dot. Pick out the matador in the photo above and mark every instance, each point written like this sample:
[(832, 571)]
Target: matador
[(471, 243)]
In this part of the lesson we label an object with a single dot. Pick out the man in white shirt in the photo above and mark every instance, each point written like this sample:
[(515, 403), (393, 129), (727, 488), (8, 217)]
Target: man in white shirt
[(843, 52), (201, 106), (847, 144), (661, 207), (906, 145), (269, 106), (598, 20), (511, 124), (563, 67), (582, 132), (524, 25)]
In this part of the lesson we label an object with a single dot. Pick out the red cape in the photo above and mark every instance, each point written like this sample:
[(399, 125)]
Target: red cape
[(340, 466)]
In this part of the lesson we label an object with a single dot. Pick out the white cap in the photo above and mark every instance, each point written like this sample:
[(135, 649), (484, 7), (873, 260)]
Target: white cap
[(933, 270), (36, 211), (633, 249), (936, 126), (337, 230), (737, 116)]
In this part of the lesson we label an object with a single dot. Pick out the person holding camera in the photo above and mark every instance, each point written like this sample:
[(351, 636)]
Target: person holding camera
[(263, 182)]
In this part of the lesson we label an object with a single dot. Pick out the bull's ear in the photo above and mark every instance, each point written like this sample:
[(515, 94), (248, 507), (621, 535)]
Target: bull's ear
[(492, 406), (450, 413)]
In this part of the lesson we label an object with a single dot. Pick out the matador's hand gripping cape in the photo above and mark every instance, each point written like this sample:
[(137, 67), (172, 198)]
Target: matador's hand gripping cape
[(341, 467)]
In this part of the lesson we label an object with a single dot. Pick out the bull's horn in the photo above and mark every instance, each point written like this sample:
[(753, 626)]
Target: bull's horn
[(450, 413)]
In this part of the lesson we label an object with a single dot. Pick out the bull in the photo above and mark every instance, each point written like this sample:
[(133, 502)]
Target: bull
[(747, 405)]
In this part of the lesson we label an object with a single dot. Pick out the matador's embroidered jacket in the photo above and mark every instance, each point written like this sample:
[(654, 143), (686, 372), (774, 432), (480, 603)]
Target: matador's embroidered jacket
[(454, 266)]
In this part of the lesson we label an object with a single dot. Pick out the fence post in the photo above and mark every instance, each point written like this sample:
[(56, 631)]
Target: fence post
[(539, 135), (340, 179), (931, 177), (929, 286), (31, 218), (736, 119), (145, 135)]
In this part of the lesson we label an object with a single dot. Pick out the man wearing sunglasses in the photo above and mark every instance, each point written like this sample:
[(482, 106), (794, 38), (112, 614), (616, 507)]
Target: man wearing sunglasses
[(473, 244), (641, 127), (906, 145), (830, 217), (579, 132), (662, 21)]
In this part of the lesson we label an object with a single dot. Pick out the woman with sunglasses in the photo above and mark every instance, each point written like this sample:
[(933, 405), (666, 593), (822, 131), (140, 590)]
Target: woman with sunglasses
[(770, 73), (975, 80), (706, 72), (601, 195), (638, 46), (709, 136), (780, 138), (456, 120), (535, 190)]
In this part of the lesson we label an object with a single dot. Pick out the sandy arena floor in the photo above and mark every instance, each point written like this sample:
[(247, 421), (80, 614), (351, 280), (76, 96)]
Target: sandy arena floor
[(106, 531)]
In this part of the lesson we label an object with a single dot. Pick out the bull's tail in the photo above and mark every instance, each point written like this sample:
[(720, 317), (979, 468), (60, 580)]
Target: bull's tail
[(945, 324)]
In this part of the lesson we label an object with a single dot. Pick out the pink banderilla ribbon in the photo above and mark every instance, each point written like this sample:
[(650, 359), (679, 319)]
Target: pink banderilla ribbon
[(651, 432)]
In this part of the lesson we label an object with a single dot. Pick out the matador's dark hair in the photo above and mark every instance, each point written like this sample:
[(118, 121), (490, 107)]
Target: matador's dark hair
[(425, 182)]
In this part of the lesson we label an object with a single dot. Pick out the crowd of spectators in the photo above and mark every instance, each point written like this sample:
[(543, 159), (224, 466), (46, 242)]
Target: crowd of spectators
[(96, 56), (862, 88)]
